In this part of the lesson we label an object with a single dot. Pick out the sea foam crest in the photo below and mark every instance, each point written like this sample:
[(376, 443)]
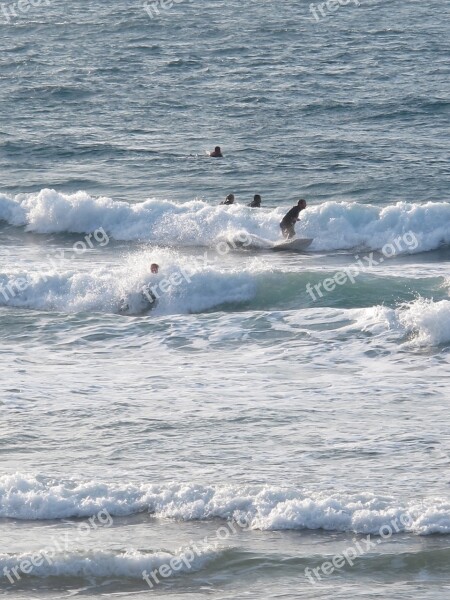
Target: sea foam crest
[(423, 322), (128, 564), (263, 507), (197, 287), (333, 225)]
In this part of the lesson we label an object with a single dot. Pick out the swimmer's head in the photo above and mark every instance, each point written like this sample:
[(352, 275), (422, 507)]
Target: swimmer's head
[(301, 203), (154, 268), (230, 198), (217, 150)]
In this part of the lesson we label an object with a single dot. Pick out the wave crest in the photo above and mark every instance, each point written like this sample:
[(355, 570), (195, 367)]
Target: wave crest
[(263, 507), (333, 225)]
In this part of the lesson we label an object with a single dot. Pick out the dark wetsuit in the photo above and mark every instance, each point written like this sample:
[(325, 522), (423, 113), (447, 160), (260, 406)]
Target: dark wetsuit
[(149, 301), (255, 204), (289, 220), (149, 296)]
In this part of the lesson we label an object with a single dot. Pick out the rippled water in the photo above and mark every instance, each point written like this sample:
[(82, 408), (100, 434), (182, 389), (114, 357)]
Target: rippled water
[(317, 418)]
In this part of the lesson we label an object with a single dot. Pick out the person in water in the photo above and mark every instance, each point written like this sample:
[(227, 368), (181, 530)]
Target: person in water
[(290, 219), (256, 202), (229, 199), (217, 153), (147, 290), (147, 295)]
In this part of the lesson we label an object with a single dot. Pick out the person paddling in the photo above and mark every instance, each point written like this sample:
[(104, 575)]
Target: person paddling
[(256, 202), (229, 199), (290, 219), (216, 153)]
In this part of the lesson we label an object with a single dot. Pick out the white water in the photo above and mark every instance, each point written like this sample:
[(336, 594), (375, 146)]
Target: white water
[(333, 225)]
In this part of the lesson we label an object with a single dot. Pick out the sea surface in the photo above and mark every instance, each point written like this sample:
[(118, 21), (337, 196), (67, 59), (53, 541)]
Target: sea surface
[(277, 425)]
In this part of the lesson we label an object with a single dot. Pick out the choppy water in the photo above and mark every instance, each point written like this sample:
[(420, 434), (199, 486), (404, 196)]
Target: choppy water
[(250, 394)]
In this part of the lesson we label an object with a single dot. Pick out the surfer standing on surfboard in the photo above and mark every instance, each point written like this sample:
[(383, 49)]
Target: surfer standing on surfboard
[(290, 219)]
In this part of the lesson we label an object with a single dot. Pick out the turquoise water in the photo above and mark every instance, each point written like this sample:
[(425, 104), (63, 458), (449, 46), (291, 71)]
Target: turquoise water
[(303, 396)]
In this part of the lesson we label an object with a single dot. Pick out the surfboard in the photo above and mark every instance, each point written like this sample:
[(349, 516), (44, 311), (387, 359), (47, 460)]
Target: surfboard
[(251, 242), (297, 245)]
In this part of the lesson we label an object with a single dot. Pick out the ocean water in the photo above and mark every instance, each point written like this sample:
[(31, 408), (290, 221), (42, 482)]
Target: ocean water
[(276, 427)]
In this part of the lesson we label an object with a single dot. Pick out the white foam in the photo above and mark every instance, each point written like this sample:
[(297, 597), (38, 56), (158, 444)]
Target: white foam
[(333, 225), (422, 322), (103, 564), (264, 507), (161, 222), (197, 287), (427, 322)]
